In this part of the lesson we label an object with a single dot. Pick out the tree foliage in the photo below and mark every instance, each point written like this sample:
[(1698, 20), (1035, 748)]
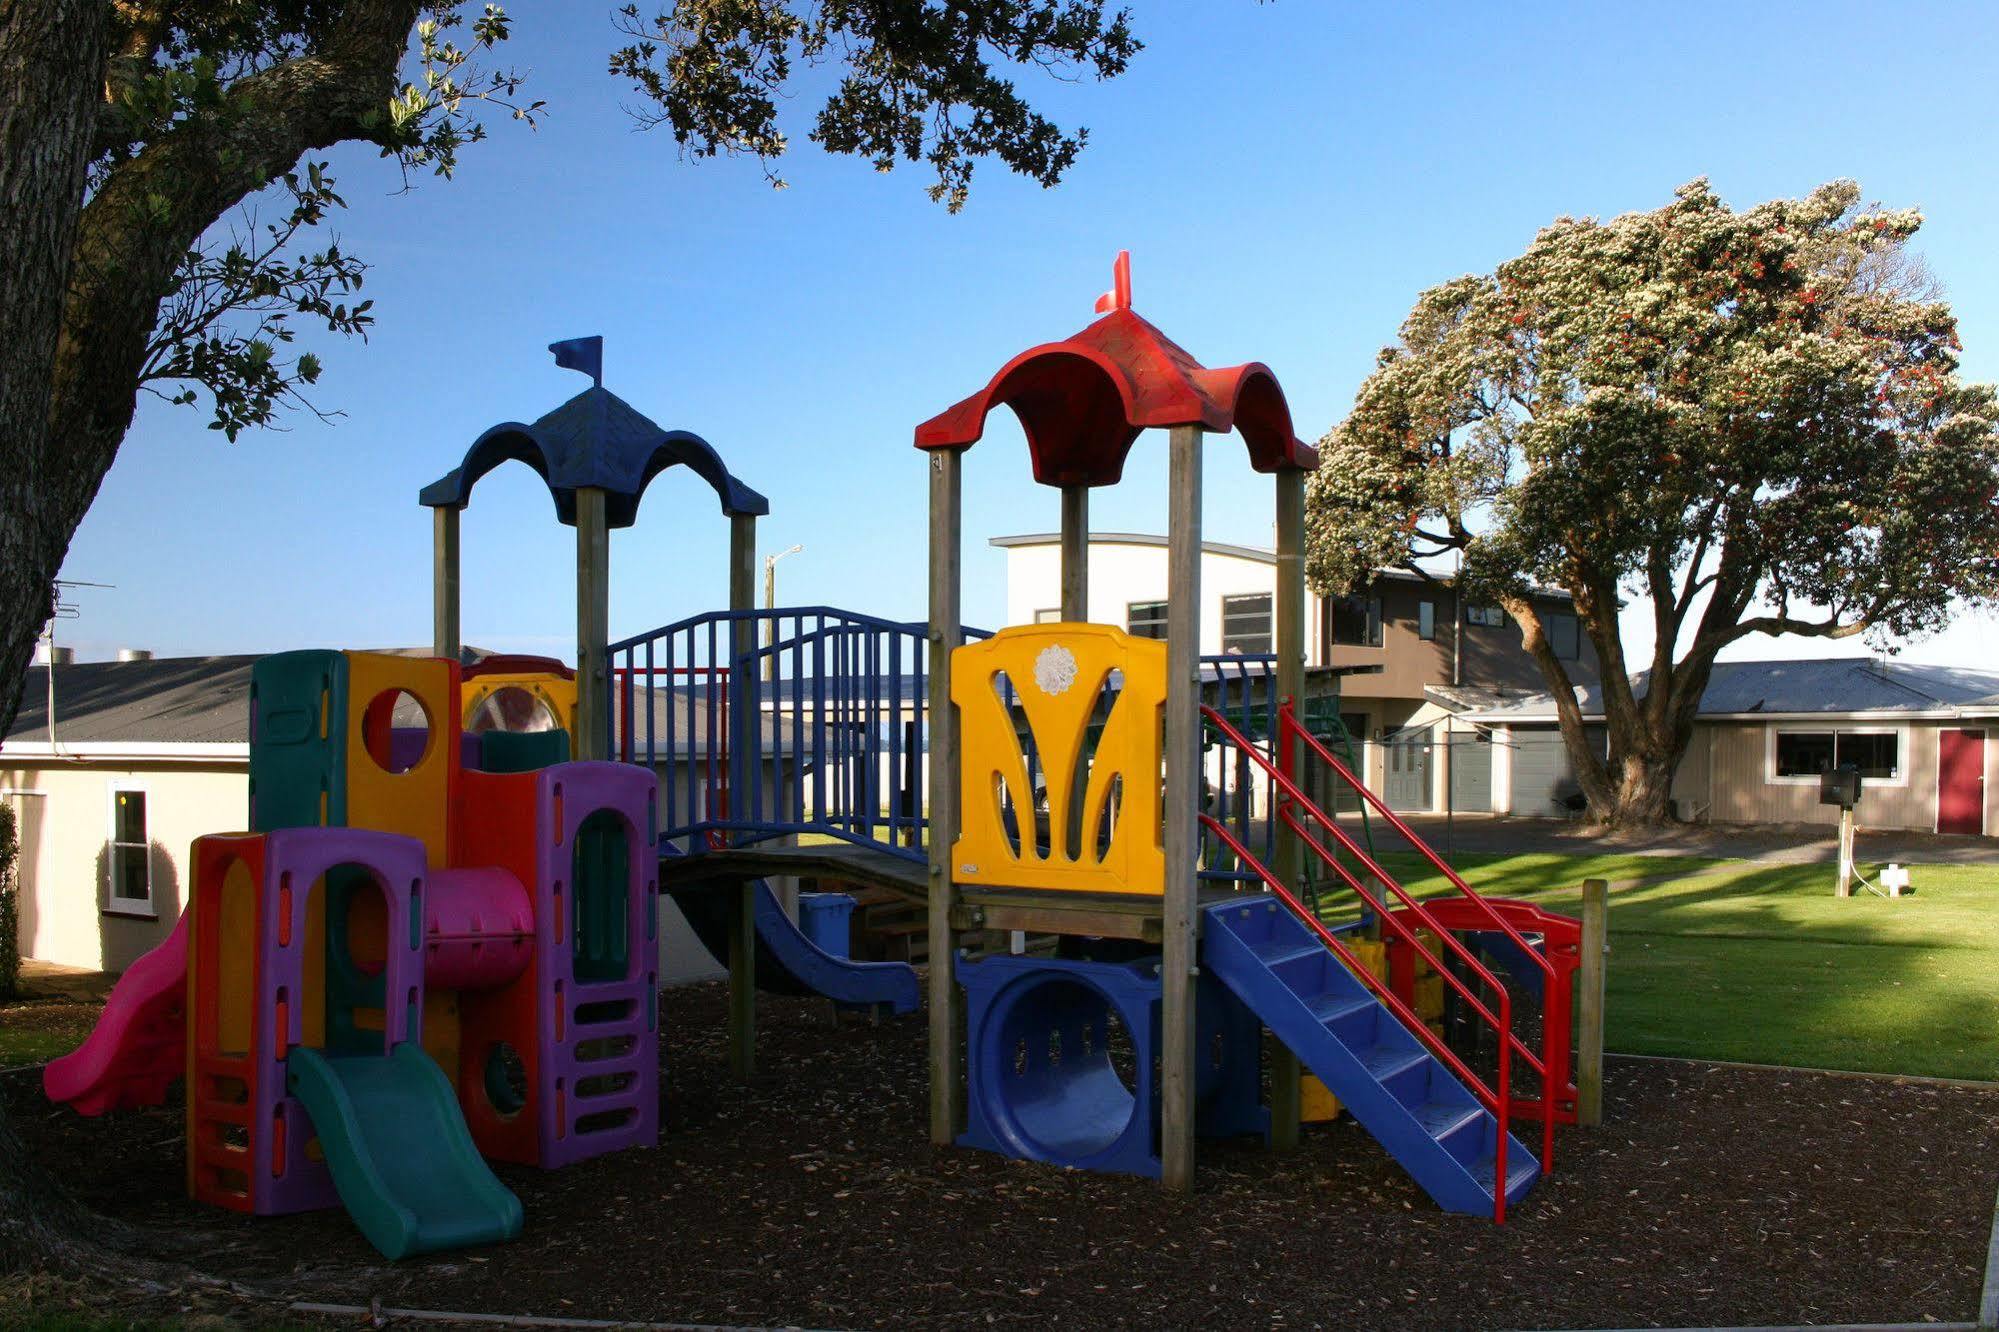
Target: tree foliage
[(1754, 419), (920, 81)]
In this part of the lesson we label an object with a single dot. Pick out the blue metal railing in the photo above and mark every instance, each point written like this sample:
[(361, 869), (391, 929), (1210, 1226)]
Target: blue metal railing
[(814, 720), (767, 724)]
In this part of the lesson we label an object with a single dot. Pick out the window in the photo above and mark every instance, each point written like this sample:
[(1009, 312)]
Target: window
[(1485, 617), (1800, 756), (128, 860), (1564, 634), (1426, 620), (1354, 621), (1145, 619), (1048, 616), (1246, 623)]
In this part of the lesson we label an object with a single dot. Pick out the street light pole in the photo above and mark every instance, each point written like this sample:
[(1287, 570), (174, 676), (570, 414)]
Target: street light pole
[(770, 604)]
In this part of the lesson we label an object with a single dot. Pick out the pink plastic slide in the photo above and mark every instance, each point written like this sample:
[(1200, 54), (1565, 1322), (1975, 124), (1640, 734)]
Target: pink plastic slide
[(139, 1045)]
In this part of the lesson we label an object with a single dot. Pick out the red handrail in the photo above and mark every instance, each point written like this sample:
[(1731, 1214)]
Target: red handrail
[(1287, 720), (1289, 725), (1495, 1100), (1502, 1023)]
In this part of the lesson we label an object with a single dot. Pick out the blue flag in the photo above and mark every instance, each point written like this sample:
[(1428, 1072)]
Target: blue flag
[(584, 354)]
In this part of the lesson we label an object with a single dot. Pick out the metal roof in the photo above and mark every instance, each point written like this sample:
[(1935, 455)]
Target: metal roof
[(1830, 686)]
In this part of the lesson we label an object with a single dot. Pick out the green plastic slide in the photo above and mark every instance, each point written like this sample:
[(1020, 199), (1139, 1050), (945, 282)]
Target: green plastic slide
[(401, 1156)]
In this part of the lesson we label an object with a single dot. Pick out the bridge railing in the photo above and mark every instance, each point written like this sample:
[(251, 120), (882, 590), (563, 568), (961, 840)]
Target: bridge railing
[(772, 723)]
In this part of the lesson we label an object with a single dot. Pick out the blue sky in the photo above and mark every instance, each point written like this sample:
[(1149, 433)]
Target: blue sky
[(1287, 176)]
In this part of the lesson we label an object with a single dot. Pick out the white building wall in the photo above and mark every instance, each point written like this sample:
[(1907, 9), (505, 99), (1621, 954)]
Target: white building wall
[(1125, 572)]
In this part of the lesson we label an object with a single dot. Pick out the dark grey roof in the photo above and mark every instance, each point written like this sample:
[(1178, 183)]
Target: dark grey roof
[(163, 700), (1830, 685), (186, 700)]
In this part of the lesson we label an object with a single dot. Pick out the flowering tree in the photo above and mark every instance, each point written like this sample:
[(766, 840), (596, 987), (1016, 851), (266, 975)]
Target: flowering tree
[(1752, 419)]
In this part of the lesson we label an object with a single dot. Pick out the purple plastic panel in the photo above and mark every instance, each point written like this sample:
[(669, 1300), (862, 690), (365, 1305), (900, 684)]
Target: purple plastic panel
[(610, 1101), (294, 858)]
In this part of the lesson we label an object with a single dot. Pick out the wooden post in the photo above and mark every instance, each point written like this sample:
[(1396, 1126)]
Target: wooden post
[(1845, 887), (1183, 786), (593, 624), (1590, 982), (444, 630), (1289, 853), (1076, 553), (946, 532), (745, 765)]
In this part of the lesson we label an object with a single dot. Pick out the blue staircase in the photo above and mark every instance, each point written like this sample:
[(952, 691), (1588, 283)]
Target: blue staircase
[(1429, 1121)]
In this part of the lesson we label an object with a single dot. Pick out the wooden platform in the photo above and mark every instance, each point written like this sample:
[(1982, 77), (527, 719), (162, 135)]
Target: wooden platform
[(1106, 915)]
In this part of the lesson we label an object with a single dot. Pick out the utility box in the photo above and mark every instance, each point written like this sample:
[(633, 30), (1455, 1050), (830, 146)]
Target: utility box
[(1841, 786)]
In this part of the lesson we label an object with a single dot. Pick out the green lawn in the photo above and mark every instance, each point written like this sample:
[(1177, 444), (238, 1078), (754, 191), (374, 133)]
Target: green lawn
[(1721, 960)]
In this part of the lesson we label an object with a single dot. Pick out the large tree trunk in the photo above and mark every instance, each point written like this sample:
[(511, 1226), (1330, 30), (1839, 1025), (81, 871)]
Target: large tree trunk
[(49, 51)]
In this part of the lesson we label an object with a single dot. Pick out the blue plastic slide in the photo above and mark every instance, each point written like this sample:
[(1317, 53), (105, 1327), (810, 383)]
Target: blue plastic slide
[(790, 963), (401, 1156)]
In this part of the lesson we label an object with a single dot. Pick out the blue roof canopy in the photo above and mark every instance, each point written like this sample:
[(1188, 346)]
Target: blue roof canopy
[(594, 439)]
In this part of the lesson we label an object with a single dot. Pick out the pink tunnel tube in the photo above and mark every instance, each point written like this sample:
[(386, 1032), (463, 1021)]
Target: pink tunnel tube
[(478, 928)]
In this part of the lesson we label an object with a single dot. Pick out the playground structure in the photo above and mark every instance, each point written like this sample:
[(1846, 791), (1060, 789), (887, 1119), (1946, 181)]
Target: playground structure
[(453, 939)]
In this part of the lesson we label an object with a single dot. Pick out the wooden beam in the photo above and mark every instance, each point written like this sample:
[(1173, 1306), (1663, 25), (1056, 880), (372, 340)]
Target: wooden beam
[(1593, 966), (946, 535), (444, 631), (1183, 782), (1288, 855), (746, 765), (1076, 553), (593, 624)]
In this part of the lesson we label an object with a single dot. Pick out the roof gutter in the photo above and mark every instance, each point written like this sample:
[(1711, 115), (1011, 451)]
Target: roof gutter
[(105, 751)]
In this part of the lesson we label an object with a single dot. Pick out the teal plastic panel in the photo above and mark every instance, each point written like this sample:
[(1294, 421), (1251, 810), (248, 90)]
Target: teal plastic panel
[(298, 741)]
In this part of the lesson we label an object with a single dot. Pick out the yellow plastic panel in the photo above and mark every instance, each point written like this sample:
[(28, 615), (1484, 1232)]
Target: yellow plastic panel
[(417, 802), (553, 692), (1057, 673), (236, 961)]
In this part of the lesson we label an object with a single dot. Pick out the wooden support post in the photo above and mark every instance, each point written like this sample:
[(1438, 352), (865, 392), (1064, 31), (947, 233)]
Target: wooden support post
[(444, 631), (1183, 786), (1076, 553), (1591, 967), (1289, 853), (1845, 886), (593, 624), (745, 765), (947, 1092)]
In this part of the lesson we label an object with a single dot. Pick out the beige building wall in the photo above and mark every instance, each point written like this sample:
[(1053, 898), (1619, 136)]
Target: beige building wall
[(63, 811), (1743, 792)]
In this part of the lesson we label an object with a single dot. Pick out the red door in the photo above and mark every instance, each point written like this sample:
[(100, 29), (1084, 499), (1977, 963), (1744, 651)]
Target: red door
[(1961, 782)]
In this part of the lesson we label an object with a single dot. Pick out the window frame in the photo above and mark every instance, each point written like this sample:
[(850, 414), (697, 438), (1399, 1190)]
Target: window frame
[(1268, 634), (1485, 617), (1426, 609), (1132, 628), (1370, 605), (112, 904), (1548, 619), (1903, 756)]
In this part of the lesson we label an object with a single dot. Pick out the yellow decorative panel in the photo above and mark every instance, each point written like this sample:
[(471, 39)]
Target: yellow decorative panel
[(390, 790), (1042, 686)]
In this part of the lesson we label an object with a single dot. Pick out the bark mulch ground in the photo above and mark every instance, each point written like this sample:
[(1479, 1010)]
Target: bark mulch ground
[(810, 1196)]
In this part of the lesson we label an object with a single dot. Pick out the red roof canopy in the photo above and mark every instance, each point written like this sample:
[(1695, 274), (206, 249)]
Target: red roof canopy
[(1084, 400)]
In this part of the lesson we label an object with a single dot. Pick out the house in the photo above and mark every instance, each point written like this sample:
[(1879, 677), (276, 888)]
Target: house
[(1920, 735), (1434, 654), (143, 757)]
